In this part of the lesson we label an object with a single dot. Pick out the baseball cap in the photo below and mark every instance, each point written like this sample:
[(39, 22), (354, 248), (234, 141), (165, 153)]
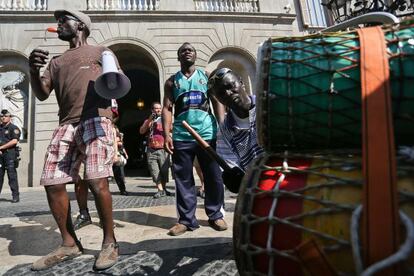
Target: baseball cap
[(85, 19), (216, 75)]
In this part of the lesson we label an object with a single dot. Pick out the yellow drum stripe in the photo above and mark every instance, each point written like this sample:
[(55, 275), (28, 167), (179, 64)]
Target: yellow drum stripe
[(334, 224)]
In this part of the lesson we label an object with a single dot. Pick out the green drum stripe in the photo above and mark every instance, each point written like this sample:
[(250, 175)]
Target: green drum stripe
[(313, 98)]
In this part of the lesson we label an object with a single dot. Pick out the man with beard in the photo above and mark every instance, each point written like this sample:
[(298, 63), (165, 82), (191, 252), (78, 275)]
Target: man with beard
[(187, 92), (84, 135), (158, 159)]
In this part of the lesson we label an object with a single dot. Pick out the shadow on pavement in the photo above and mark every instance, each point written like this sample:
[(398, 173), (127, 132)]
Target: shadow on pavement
[(143, 194), (46, 239), (5, 200), (31, 215), (207, 259), (147, 219)]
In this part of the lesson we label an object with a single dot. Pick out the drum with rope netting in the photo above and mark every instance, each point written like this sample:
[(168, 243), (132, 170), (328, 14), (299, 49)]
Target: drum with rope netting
[(299, 207), (309, 90), (290, 204)]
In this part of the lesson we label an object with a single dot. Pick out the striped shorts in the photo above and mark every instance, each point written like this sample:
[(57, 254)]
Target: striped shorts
[(90, 142)]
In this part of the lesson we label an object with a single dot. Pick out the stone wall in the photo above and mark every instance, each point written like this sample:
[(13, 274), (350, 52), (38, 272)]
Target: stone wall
[(221, 38)]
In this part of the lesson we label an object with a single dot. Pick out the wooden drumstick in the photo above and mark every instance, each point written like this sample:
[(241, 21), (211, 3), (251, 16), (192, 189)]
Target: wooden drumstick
[(210, 151)]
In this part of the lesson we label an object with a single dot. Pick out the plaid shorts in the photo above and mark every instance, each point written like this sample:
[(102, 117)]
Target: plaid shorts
[(90, 142)]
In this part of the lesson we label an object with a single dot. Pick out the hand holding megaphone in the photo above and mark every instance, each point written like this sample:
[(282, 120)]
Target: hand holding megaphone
[(111, 84)]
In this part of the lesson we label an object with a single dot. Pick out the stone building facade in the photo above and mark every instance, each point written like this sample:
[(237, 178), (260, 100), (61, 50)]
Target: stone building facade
[(145, 36)]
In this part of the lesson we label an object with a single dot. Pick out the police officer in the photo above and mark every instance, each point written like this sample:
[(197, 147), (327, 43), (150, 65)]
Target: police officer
[(9, 137)]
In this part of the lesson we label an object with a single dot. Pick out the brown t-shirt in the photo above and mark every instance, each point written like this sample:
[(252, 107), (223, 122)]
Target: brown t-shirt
[(73, 76)]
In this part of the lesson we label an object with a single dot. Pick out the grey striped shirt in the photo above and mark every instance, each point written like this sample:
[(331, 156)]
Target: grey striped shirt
[(237, 140)]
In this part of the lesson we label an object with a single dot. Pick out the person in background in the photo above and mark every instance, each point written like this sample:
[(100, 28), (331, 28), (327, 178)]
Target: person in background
[(9, 153), (81, 189), (158, 159), (81, 186), (120, 162), (186, 91), (81, 192), (237, 138)]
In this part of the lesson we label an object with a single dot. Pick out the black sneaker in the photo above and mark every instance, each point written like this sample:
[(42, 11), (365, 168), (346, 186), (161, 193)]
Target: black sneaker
[(81, 221), (124, 193), (168, 193), (201, 193), (159, 194), (15, 199)]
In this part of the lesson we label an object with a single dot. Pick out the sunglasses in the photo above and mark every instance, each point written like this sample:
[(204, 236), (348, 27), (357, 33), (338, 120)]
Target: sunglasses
[(1, 116), (218, 75), (65, 18)]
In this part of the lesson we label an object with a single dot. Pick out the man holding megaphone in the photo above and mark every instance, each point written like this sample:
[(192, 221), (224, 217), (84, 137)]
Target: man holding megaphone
[(83, 81)]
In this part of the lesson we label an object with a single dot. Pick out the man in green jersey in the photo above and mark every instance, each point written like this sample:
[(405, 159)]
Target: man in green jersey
[(187, 92)]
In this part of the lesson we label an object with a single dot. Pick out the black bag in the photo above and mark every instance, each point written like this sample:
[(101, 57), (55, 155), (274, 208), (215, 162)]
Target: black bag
[(17, 156)]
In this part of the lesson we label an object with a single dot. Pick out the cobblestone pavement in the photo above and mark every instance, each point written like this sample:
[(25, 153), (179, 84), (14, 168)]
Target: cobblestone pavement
[(200, 260), (28, 231), (35, 202)]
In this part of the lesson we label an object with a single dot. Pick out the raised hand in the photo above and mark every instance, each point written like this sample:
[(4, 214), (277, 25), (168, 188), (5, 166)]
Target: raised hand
[(38, 59)]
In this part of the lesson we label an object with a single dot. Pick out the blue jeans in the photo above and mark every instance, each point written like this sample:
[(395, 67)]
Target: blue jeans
[(183, 157)]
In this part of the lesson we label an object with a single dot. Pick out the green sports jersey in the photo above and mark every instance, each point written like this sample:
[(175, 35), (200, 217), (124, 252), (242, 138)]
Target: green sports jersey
[(192, 105)]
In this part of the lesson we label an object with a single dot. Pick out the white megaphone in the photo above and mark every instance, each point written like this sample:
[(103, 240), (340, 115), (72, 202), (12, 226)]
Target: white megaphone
[(111, 84)]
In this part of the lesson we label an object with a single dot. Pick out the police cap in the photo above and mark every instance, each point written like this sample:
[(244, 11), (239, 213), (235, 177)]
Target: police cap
[(5, 112)]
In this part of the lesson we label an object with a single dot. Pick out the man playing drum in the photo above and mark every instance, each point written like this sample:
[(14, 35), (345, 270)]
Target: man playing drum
[(236, 140), (84, 135)]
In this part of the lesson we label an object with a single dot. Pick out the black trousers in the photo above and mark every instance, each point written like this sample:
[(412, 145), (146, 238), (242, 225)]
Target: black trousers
[(119, 176), (186, 198), (7, 163)]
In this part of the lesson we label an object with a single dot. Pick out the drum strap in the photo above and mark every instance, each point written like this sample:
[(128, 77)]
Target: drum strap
[(380, 224)]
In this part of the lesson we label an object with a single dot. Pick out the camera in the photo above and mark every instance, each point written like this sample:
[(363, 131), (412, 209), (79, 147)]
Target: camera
[(154, 116)]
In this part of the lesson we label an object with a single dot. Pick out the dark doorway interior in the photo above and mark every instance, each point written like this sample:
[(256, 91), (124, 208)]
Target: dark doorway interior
[(145, 86), (142, 70)]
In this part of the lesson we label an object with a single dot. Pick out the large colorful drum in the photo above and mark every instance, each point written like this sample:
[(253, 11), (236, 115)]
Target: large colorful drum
[(292, 203), (309, 90)]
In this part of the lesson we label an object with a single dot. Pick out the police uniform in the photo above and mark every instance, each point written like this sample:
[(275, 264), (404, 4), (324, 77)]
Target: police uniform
[(9, 157)]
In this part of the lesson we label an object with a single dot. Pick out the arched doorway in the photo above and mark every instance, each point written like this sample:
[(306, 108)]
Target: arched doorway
[(14, 88), (14, 96), (238, 60), (134, 108)]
